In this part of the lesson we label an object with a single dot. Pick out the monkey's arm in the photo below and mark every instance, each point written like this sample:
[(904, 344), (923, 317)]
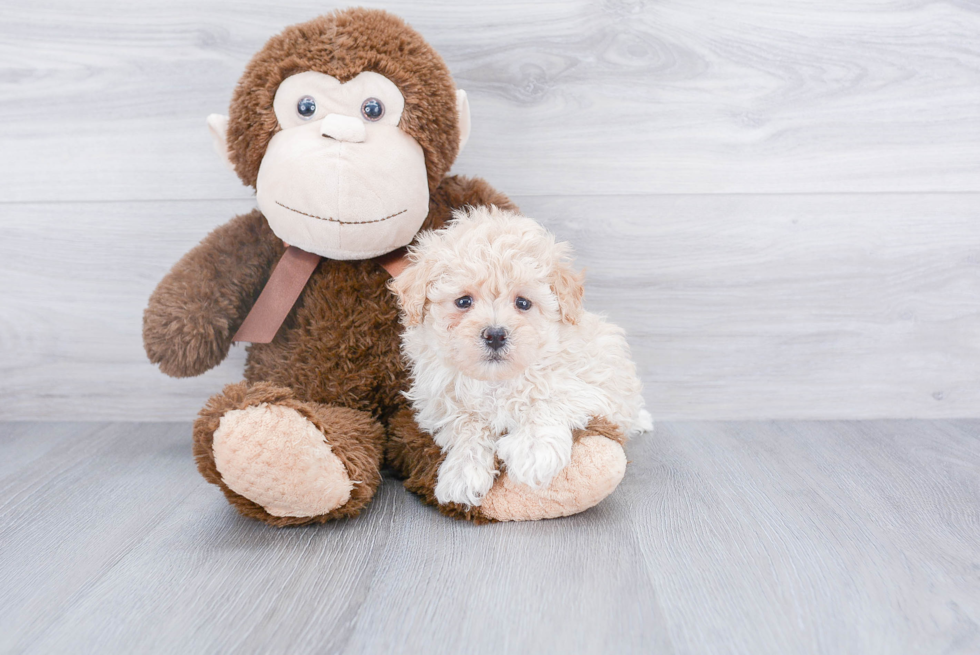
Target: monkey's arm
[(456, 192), (196, 309)]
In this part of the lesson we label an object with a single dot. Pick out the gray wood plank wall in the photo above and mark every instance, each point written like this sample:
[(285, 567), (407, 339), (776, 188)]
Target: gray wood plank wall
[(779, 200)]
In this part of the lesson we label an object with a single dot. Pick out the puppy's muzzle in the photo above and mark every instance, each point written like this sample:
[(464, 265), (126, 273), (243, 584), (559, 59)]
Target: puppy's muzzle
[(494, 338)]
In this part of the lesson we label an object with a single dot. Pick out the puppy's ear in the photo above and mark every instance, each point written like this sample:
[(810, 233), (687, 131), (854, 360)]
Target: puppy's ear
[(411, 287), (568, 288)]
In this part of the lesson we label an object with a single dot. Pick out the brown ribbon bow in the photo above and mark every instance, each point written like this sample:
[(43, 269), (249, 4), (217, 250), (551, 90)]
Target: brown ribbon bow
[(284, 286)]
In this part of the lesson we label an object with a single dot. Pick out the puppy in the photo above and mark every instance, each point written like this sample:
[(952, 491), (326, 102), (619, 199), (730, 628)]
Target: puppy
[(504, 359)]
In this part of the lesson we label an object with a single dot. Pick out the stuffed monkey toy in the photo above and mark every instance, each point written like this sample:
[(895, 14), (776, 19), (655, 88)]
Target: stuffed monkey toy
[(346, 126)]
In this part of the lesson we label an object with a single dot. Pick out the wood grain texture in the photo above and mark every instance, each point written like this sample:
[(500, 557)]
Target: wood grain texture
[(106, 101), (854, 306), (776, 537), (778, 200)]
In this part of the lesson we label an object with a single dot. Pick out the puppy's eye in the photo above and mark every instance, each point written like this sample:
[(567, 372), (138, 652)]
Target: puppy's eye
[(523, 304), (464, 302), (306, 107)]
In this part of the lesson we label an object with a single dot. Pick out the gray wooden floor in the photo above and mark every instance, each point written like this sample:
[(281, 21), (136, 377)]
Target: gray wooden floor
[(752, 537)]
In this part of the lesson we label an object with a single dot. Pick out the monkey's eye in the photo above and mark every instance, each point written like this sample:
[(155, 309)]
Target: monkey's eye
[(523, 304), (372, 109), (464, 302), (306, 107)]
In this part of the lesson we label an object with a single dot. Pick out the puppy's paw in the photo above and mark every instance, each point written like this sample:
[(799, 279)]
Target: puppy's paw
[(535, 457), (463, 481)]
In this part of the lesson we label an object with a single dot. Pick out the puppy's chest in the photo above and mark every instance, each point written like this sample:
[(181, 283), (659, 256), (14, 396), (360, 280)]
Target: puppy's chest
[(499, 406)]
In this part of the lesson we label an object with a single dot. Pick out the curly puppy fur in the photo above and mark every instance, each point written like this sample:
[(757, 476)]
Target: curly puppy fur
[(505, 361)]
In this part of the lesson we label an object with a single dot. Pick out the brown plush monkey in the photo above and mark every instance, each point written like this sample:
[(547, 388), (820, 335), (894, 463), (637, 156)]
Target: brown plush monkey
[(346, 126)]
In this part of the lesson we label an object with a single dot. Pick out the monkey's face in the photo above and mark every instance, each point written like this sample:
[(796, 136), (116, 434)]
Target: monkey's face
[(340, 179)]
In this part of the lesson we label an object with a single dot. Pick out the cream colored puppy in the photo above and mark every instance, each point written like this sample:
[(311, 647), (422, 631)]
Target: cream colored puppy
[(504, 360)]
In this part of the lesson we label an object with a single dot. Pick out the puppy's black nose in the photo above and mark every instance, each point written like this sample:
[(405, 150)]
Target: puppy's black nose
[(495, 337)]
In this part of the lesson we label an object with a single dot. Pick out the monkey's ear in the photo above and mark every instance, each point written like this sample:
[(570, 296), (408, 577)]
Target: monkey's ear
[(463, 108), (218, 126)]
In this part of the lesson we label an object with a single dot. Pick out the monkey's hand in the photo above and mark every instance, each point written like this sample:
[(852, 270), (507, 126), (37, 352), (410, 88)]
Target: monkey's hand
[(196, 309)]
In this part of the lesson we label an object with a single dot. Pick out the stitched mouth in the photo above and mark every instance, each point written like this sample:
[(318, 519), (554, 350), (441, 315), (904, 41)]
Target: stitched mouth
[(337, 220)]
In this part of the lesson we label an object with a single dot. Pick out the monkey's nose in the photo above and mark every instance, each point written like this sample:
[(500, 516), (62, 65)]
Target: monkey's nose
[(495, 337), (342, 128)]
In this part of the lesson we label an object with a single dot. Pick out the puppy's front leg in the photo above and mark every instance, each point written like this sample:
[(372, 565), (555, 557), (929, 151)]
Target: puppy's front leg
[(536, 451), (467, 473)]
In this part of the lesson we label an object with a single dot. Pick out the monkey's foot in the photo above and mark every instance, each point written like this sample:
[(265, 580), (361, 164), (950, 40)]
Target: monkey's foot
[(286, 461), (597, 467), (279, 460)]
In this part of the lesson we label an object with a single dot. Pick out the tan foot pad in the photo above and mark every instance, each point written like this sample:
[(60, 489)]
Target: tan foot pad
[(597, 467), (276, 458)]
